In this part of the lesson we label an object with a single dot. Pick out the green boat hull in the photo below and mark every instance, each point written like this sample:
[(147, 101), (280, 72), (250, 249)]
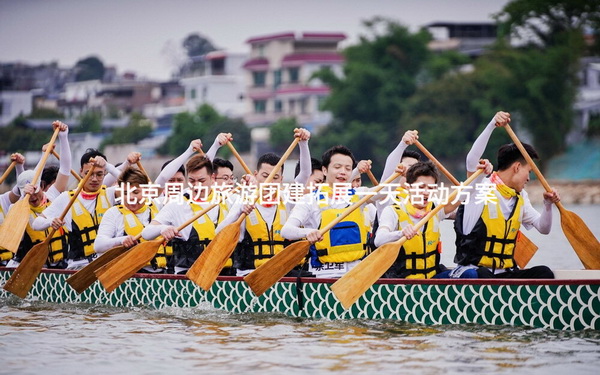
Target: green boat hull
[(556, 304)]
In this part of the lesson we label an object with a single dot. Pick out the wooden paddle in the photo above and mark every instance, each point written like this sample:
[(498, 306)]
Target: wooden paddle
[(30, 267), (239, 158), (582, 239), (120, 269), (7, 171), (283, 262), (358, 280), (372, 178), (141, 167), (85, 277), (15, 222), (73, 173), (209, 264), (524, 248)]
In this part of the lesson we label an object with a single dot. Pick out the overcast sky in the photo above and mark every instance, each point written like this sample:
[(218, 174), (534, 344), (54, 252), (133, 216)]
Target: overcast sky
[(145, 36)]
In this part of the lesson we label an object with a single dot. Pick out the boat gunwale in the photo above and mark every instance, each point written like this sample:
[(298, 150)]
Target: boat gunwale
[(380, 281)]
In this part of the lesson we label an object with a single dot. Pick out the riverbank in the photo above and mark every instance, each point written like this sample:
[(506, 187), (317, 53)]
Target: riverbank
[(571, 192)]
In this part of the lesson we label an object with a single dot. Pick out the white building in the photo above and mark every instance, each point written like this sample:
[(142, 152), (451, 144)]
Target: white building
[(13, 104), (279, 73), (221, 84)]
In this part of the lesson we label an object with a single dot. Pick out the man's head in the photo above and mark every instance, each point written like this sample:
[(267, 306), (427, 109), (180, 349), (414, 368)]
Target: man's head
[(178, 177), (131, 180), (265, 165), (338, 163), (512, 166), (223, 172), (94, 183), (409, 158), (25, 178), (423, 175), (199, 173)]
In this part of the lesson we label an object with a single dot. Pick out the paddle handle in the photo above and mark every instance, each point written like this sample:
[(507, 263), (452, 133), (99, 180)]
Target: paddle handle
[(73, 173), (372, 178), (530, 161), (141, 167), (357, 204), (38, 171), (437, 163), (7, 172), (239, 158), (73, 198)]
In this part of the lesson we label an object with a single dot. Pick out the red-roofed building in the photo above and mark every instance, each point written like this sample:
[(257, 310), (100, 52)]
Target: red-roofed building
[(279, 72)]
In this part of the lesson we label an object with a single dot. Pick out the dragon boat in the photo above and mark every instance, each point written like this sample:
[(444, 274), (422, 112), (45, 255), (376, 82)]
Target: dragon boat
[(570, 302)]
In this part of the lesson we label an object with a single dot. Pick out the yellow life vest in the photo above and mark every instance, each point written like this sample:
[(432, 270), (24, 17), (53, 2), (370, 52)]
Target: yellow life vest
[(347, 240), (420, 256), (85, 225), (262, 243), (501, 234), (133, 227), (492, 241), (58, 244)]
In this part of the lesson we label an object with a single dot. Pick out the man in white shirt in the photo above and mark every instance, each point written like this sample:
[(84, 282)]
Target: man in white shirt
[(487, 230)]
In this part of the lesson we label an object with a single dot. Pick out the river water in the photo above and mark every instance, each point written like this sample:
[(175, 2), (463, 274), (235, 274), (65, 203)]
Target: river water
[(38, 337)]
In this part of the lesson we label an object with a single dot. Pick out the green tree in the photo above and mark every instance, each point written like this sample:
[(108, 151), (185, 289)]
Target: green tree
[(281, 133), (197, 45), (90, 121), (137, 129), (89, 68), (46, 113), (204, 124), (380, 73)]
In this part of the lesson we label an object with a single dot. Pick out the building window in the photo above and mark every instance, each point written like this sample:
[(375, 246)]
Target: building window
[(277, 78), (261, 50), (260, 106), (259, 78), (193, 93), (303, 104), (291, 106), (294, 74), (278, 106)]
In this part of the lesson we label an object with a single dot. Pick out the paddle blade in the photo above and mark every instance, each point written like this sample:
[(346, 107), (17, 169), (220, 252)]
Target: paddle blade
[(275, 268), (24, 276), (358, 280), (209, 264), (122, 268), (85, 277), (524, 250), (581, 238), (13, 227)]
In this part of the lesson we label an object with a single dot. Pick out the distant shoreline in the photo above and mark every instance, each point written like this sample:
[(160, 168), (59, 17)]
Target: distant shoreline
[(571, 192)]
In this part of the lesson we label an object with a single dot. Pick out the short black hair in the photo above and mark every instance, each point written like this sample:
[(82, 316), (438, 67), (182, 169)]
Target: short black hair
[(421, 168), (268, 158), (411, 154), (91, 153), (221, 163), (339, 149), (509, 153), (49, 175), (315, 165), (181, 168)]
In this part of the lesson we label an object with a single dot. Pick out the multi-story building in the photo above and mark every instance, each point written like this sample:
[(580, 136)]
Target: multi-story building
[(470, 38), (218, 81), (279, 76)]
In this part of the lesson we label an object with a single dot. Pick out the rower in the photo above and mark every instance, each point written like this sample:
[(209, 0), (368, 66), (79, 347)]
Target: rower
[(121, 223), (419, 256), (486, 230), (189, 243), (84, 217)]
